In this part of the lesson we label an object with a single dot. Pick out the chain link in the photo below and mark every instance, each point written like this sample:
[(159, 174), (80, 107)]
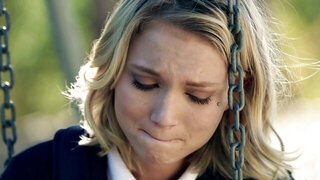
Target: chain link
[(236, 90), (7, 123)]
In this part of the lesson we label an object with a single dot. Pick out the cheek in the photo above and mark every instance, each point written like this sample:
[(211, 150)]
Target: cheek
[(211, 121), (203, 125), (123, 101), (129, 105)]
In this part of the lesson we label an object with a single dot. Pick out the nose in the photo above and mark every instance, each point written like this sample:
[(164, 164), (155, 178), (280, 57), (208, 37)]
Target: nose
[(167, 110)]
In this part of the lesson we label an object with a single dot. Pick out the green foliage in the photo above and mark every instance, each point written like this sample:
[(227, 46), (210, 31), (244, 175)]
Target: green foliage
[(301, 31), (307, 9), (38, 78), (84, 16)]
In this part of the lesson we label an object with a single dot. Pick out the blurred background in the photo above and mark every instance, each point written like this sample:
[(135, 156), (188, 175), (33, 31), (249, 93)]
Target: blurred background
[(49, 40)]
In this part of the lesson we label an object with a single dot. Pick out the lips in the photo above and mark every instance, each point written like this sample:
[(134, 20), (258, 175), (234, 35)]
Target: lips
[(158, 139)]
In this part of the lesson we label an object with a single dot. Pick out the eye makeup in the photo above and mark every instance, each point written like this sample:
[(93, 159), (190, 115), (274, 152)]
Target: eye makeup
[(143, 87), (201, 101), (149, 87)]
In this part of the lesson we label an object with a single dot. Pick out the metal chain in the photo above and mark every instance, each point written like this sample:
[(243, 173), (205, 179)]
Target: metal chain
[(236, 90), (7, 122)]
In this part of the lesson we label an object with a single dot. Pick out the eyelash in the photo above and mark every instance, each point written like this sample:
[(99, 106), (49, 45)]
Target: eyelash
[(144, 87), (199, 100)]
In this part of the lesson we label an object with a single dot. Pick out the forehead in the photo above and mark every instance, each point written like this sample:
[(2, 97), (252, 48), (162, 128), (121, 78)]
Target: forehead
[(168, 49)]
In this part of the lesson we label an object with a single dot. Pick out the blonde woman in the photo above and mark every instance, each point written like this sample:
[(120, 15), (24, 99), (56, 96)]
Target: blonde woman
[(154, 96)]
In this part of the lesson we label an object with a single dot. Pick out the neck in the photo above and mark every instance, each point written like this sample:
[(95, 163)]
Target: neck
[(160, 171)]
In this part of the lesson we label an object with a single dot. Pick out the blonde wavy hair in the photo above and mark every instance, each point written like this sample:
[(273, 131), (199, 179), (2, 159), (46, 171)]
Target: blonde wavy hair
[(265, 81)]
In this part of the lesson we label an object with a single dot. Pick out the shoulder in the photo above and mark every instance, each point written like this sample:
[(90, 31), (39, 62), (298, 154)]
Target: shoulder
[(65, 141), (72, 161), (60, 158), (215, 175), (72, 133), (212, 174), (35, 160)]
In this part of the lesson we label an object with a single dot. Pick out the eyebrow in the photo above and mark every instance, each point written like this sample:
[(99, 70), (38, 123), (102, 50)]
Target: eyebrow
[(145, 69), (201, 84), (188, 83)]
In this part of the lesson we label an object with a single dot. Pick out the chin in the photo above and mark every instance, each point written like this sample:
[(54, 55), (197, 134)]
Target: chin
[(158, 157)]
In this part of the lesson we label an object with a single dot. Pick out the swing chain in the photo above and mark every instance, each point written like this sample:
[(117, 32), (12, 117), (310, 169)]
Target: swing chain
[(6, 72), (236, 90)]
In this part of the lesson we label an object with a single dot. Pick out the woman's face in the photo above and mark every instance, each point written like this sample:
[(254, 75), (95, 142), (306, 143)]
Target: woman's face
[(172, 93)]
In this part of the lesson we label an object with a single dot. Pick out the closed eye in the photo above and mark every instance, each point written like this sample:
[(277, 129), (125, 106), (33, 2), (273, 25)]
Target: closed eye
[(201, 101), (149, 87), (143, 87)]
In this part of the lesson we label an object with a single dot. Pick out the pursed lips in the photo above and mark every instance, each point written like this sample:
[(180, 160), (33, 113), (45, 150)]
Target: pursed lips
[(159, 139)]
